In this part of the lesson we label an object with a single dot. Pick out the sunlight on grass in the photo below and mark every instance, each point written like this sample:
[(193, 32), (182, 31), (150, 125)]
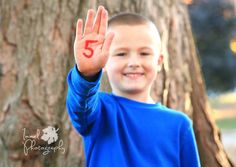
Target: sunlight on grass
[(229, 123), (224, 100)]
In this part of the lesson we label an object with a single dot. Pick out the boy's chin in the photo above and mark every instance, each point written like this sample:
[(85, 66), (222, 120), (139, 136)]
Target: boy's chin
[(132, 91)]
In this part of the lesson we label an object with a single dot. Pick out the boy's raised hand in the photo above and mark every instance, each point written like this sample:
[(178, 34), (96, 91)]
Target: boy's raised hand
[(91, 47)]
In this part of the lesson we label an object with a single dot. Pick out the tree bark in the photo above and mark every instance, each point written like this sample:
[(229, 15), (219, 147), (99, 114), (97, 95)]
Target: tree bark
[(36, 40)]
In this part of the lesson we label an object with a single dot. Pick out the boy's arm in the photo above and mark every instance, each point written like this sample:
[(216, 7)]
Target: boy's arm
[(189, 153), (91, 50), (82, 99)]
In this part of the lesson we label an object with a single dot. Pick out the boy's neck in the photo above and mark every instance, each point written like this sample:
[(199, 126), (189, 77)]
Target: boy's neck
[(140, 97)]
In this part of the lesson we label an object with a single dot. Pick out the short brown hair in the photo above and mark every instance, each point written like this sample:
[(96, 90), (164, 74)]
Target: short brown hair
[(132, 19), (127, 18)]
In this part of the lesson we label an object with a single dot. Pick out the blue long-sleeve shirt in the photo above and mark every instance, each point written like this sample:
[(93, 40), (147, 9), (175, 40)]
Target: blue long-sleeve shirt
[(119, 132)]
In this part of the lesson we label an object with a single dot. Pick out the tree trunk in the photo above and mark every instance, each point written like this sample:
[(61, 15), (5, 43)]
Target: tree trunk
[(36, 40)]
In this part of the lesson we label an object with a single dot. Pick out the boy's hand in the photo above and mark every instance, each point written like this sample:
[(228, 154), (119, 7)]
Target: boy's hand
[(91, 48)]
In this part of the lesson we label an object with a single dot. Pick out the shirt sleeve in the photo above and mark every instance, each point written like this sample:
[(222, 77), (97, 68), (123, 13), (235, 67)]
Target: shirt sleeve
[(189, 153), (82, 100)]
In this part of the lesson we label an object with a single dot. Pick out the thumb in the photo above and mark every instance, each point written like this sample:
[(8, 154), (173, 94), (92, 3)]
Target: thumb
[(107, 42), (106, 47)]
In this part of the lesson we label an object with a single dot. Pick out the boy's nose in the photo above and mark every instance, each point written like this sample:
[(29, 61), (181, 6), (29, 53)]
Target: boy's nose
[(133, 61)]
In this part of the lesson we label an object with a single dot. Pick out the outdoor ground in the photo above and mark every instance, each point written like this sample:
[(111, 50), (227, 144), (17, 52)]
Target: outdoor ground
[(224, 111)]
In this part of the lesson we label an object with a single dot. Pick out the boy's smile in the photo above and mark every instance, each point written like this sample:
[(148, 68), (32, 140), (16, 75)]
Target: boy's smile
[(134, 60), (133, 75)]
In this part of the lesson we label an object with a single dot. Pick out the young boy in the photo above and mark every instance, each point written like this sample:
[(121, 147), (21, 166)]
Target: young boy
[(125, 128)]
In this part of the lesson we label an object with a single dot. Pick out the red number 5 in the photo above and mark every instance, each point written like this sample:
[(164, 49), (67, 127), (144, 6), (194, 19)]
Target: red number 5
[(87, 42)]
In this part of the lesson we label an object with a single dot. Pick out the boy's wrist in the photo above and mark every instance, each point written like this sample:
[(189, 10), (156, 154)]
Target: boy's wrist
[(89, 77)]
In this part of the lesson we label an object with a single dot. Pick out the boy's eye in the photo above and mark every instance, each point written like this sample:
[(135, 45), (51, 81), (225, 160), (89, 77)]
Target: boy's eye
[(120, 54), (144, 53)]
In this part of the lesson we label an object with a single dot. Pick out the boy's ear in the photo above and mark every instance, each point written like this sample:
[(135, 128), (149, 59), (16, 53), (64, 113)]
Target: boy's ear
[(160, 62), (160, 59)]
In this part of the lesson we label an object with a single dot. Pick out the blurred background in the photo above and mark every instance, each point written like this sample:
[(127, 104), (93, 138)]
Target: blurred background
[(214, 29), (36, 53)]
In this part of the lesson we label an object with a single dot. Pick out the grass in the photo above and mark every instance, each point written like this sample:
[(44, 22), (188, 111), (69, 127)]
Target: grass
[(227, 123)]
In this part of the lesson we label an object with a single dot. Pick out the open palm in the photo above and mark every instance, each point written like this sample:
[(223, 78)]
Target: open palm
[(91, 47)]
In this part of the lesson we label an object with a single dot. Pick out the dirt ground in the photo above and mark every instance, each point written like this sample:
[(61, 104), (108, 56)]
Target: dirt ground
[(227, 112)]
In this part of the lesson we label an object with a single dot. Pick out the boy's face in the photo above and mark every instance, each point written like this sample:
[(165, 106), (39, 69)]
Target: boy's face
[(134, 59)]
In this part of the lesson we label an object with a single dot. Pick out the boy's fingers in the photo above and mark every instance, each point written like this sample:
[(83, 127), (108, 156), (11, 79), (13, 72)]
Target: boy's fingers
[(79, 29), (89, 22), (98, 19), (107, 43), (103, 23)]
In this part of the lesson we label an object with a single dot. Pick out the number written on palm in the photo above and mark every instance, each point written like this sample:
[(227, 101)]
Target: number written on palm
[(91, 47)]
